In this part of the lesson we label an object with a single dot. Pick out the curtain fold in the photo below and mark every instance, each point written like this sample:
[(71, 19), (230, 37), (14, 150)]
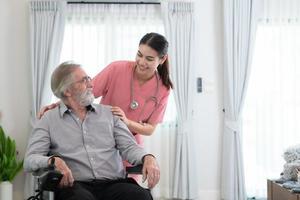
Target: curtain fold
[(180, 30), (47, 20), (239, 29), (162, 145), (46, 35)]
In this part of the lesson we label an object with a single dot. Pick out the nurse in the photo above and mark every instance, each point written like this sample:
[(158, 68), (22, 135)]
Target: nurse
[(138, 90)]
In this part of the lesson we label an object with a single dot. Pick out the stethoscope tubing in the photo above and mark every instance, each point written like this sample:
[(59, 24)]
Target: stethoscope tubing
[(153, 97)]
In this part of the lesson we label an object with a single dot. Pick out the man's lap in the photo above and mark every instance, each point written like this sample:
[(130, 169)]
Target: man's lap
[(123, 189)]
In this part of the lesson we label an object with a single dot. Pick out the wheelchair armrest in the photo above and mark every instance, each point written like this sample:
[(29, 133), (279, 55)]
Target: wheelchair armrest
[(48, 178), (134, 169)]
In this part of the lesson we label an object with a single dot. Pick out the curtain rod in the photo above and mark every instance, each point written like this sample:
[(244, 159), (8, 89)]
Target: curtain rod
[(106, 2)]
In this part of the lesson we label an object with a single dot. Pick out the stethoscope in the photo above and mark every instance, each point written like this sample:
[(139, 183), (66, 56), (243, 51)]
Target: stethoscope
[(134, 104)]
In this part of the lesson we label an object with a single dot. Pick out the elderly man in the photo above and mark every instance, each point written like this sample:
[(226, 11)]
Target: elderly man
[(88, 143)]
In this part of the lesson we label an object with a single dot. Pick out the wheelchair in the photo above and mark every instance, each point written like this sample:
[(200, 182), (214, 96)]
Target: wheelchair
[(49, 178)]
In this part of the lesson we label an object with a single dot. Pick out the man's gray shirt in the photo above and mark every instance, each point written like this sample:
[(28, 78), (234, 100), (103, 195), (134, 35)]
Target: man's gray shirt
[(92, 149)]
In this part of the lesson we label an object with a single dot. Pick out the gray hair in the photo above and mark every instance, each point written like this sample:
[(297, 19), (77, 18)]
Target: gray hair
[(62, 78)]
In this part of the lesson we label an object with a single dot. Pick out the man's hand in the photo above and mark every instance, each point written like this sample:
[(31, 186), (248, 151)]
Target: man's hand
[(67, 179), (45, 109), (151, 171)]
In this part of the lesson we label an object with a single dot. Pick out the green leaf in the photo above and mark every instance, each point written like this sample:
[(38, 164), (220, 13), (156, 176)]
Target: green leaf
[(9, 166)]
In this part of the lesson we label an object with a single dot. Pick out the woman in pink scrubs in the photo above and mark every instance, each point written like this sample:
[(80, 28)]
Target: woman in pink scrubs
[(138, 90)]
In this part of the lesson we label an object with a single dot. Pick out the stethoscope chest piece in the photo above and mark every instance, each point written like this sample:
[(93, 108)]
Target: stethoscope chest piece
[(134, 105)]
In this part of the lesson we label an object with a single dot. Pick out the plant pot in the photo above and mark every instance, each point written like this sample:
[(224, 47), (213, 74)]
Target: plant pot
[(6, 190)]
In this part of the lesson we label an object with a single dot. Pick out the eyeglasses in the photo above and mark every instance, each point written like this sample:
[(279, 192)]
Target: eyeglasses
[(85, 80)]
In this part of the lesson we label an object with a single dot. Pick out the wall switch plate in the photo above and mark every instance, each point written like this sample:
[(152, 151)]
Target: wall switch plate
[(199, 84)]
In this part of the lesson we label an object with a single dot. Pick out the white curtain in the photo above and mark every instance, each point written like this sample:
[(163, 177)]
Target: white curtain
[(238, 41), (272, 110), (97, 34), (46, 35), (180, 30), (162, 144)]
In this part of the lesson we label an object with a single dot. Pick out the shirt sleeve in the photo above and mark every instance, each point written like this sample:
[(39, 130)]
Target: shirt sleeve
[(102, 80), (159, 112), (38, 147), (126, 143)]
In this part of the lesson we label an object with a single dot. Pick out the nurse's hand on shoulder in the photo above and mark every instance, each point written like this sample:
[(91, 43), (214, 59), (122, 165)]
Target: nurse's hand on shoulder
[(120, 113), (46, 108)]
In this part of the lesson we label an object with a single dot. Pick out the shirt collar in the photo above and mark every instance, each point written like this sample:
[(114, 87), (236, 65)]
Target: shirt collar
[(64, 109), (91, 107)]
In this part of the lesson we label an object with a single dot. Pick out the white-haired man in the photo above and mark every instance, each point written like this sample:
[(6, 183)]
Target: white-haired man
[(88, 143)]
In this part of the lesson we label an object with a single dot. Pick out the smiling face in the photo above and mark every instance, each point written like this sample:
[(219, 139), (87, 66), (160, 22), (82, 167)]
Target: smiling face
[(147, 60)]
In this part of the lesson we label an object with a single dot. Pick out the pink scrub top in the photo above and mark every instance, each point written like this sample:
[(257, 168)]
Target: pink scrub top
[(114, 85)]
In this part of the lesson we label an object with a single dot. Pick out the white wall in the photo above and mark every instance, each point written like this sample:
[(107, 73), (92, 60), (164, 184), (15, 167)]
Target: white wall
[(15, 87), (208, 109), (15, 76)]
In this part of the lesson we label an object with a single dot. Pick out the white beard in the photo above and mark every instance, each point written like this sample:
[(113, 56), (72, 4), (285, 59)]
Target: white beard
[(85, 98)]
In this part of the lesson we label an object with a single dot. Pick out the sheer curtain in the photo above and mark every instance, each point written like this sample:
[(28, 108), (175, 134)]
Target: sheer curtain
[(239, 29), (97, 34), (180, 29), (272, 106), (47, 20)]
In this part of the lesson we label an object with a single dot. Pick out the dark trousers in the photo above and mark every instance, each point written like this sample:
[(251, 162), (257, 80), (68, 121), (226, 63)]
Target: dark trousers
[(122, 189)]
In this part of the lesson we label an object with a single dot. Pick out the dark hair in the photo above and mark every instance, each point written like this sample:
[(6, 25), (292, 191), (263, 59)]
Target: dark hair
[(160, 45)]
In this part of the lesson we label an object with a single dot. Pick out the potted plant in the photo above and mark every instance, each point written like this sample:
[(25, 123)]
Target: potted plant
[(9, 166)]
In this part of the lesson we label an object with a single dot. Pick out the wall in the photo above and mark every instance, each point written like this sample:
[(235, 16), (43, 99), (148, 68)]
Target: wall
[(209, 104), (15, 88), (15, 77)]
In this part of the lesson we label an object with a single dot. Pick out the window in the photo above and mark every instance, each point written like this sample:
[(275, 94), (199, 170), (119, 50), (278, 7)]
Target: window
[(272, 106), (97, 34)]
